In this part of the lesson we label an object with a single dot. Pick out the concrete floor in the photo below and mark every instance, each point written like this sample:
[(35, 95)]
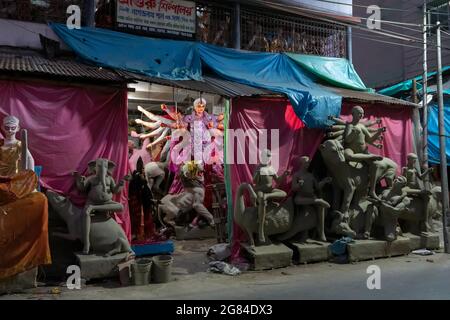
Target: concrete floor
[(407, 277)]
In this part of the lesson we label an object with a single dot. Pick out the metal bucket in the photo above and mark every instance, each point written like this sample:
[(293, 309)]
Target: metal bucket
[(140, 270), (162, 268)]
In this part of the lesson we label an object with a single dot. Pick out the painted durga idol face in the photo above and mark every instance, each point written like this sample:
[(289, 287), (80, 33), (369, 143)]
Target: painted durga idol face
[(199, 109)]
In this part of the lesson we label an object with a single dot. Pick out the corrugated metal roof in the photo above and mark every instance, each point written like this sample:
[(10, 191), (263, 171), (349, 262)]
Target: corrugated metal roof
[(215, 85), (30, 62), (211, 84), (362, 96)]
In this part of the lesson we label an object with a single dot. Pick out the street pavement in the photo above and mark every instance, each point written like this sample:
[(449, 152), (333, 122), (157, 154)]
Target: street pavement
[(408, 277)]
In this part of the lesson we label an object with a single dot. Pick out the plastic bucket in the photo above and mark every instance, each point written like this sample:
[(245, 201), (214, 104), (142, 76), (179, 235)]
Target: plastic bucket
[(162, 268), (140, 271), (125, 272)]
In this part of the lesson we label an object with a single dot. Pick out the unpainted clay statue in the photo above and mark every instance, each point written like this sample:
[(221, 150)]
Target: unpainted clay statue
[(414, 179), (263, 179), (100, 188), (398, 205), (415, 186), (350, 188), (394, 203), (349, 180), (356, 215), (155, 174), (106, 237), (307, 192), (282, 221), (358, 224), (192, 197), (356, 136)]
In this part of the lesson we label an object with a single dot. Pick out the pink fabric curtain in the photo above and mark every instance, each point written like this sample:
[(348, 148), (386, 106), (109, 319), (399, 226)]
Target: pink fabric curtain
[(398, 138), (294, 141), (68, 127)]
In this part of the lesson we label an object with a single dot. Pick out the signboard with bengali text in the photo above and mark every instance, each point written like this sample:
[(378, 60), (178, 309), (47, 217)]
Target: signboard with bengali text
[(171, 17)]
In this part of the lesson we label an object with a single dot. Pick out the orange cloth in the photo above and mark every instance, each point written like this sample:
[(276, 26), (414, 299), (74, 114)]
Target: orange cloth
[(24, 235), (17, 186)]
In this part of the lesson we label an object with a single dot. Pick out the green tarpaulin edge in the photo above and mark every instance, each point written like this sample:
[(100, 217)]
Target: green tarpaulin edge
[(347, 77), (407, 85)]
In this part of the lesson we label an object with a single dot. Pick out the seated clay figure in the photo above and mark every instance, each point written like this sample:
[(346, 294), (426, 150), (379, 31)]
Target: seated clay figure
[(307, 191), (100, 188), (263, 179), (393, 203), (172, 205), (23, 211), (356, 140), (107, 237), (415, 186), (355, 136), (413, 176)]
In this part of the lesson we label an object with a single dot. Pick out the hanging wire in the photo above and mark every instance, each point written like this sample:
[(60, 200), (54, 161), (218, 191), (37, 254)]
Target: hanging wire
[(382, 8), (361, 6), (387, 42), (388, 33), (381, 35), (393, 22), (409, 29)]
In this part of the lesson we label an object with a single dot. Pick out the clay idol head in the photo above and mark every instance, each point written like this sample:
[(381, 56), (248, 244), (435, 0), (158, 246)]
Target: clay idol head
[(10, 125)]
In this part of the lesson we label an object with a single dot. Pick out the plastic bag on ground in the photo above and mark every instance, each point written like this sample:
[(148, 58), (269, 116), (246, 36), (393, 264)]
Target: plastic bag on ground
[(223, 267), (423, 252), (219, 252), (339, 247)]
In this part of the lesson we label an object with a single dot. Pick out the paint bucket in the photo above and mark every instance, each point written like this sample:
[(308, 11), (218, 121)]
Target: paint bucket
[(140, 270), (162, 268)]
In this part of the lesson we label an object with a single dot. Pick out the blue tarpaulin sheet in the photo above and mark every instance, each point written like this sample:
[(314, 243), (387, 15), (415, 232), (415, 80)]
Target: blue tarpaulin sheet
[(433, 133), (182, 60), (168, 59), (278, 73)]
